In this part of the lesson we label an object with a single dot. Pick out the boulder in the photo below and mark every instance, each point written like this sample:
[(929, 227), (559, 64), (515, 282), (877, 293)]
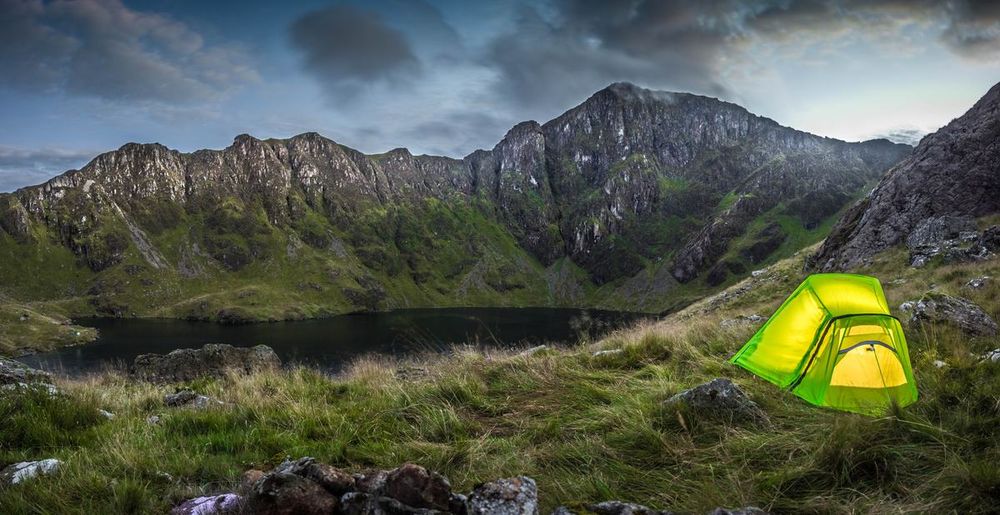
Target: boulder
[(718, 399), (190, 399), (938, 308), (992, 356), (414, 486), (284, 493), (330, 478), (624, 508), (977, 283), (209, 505), (15, 375), (25, 470), (358, 503), (212, 360), (954, 238), (511, 496)]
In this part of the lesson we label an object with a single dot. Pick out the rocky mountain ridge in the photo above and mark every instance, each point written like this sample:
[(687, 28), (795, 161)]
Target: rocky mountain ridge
[(952, 172), (630, 180)]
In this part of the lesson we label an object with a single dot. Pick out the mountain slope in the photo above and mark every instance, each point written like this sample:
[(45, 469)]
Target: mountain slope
[(954, 171), (615, 203)]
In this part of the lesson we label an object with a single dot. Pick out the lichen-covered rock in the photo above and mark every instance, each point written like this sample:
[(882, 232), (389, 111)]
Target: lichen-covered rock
[(212, 360), (718, 399), (624, 508), (938, 308), (16, 376), (209, 505), (414, 486), (190, 399), (331, 478), (25, 470), (511, 496), (285, 493)]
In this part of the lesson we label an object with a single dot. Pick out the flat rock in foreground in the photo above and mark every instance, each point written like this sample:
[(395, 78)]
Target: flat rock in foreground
[(212, 360)]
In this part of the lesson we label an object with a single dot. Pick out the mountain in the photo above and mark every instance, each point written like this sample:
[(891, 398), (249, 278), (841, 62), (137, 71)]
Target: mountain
[(634, 199), (954, 171)]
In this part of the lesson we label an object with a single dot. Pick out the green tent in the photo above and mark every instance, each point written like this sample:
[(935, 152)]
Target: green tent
[(834, 343)]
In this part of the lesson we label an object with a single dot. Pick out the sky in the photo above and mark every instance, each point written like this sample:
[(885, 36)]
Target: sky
[(80, 77)]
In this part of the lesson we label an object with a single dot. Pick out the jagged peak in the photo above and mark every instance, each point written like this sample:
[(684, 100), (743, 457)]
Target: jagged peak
[(525, 127)]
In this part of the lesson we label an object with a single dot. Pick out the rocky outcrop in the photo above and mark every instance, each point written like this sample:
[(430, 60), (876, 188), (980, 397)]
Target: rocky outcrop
[(718, 399), (954, 238), (26, 470), (212, 360), (15, 376), (953, 172), (938, 308)]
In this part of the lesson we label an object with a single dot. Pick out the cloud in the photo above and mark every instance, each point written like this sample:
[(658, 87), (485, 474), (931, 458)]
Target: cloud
[(559, 55), (347, 48), (21, 167), (906, 135), (103, 49)]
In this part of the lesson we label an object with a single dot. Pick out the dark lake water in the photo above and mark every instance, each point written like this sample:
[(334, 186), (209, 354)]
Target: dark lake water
[(331, 343)]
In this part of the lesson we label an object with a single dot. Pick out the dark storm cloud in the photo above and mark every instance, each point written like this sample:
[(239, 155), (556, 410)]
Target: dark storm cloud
[(548, 61), (346, 47), (101, 48), (560, 55), (22, 167)]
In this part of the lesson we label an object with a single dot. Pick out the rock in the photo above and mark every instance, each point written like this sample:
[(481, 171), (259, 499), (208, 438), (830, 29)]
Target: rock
[(249, 478), (608, 352), (358, 503), (718, 399), (153, 420), (15, 375), (624, 508), (190, 399), (284, 493), (977, 282), (932, 231), (758, 273), (331, 478), (511, 496), (414, 486), (25, 470), (212, 360), (106, 414), (532, 351), (748, 510), (937, 308), (372, 482), (939, 364), (209, 505), (993, 355)]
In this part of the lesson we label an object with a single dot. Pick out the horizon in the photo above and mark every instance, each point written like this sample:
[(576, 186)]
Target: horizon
[(446, 78)]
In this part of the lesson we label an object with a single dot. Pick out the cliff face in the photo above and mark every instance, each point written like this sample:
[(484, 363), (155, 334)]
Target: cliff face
[(630, 179), (955, 171)]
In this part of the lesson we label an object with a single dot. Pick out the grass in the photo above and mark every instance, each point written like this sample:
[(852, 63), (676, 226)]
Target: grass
[(586, 428)]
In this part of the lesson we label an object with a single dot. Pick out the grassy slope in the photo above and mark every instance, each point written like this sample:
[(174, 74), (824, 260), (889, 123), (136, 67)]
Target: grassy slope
[(586, 428)]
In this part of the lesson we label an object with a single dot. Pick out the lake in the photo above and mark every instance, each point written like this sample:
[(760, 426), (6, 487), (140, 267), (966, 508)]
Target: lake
[(331, 343)]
